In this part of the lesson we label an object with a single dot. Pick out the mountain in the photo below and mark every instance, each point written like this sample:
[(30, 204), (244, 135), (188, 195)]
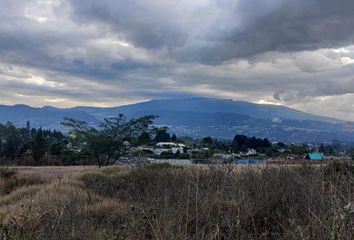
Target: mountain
[(48, 117), (198, 117), (208, 105)]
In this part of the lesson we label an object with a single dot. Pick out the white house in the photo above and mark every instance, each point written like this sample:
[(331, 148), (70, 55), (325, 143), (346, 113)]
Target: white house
[(168, 147)]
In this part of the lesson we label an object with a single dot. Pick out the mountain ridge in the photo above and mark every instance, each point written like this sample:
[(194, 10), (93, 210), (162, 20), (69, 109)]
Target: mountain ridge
[(127, 106), (188, 101), (198, 117)]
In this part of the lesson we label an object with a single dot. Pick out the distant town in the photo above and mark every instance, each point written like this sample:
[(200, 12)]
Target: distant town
[(122, 141)]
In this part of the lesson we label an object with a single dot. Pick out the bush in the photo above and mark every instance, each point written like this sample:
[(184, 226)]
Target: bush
[(9, 181), (6, 173), (339, 168), (219, 201)]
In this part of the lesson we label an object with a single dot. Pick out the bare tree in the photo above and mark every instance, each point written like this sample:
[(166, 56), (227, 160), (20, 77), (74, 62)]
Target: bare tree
[(107, 142)]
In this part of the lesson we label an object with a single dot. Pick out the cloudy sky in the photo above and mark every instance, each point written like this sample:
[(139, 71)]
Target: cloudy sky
[(297, 53)]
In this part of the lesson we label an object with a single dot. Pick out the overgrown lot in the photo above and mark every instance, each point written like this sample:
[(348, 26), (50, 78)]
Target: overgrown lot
[(165, 202)]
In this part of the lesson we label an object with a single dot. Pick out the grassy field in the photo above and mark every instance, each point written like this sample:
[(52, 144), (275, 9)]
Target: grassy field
[(166, 202)]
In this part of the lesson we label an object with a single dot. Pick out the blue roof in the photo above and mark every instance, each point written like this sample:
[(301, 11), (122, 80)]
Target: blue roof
[(316, 156), (250, 162)]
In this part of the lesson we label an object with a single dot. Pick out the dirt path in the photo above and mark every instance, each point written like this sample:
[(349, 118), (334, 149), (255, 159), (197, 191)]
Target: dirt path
[(50, 172)]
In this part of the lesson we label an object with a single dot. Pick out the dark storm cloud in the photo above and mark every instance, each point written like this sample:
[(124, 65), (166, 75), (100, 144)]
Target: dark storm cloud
[(144, 23), (108, 52), (296, 26), (257, 26), (287, 25)]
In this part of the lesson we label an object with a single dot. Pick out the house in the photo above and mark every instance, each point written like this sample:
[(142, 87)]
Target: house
[(250, 152), (316, 156), (290, 157), (223, 158), (175, 162), (169, 147), (164, 147)]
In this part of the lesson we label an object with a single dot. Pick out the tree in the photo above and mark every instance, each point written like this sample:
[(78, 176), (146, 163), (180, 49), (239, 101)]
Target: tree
[(242, 143), (174, 138), (12, 141), (351, 153), (161, 135), (144, 139), (298, 150), (39, 146), (56, 148), (106, 143), (208, 141)]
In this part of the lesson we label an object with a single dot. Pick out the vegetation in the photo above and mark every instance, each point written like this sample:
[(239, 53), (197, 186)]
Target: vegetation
[(117, 138), (84, 145), (165, 202), (28, 145), (242, 143), (107, 143), (9, 181), (161, 135)]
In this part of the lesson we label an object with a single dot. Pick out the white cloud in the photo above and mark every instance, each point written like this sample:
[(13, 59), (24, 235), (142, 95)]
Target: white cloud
[(346, 60), (39, 19)]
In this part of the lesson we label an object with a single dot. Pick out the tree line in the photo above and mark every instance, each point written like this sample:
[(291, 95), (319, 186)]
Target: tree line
[(84, 144), (243, 143), (111, 140), (28, 143)]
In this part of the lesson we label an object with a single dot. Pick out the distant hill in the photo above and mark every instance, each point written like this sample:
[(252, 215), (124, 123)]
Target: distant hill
[(48, 117), (198, 117)]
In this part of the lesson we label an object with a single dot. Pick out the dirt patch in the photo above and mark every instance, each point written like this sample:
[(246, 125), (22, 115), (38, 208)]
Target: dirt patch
[(51, 172)]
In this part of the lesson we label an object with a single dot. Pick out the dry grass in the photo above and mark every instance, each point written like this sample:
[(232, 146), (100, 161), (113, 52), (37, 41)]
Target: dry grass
[(165, 202)]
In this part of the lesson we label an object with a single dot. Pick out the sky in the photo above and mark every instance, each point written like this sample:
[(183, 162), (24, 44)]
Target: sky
[(64, 53)]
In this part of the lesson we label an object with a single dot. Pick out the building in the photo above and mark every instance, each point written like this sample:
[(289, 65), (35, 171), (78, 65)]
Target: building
[(165, 147), (316, 156)]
